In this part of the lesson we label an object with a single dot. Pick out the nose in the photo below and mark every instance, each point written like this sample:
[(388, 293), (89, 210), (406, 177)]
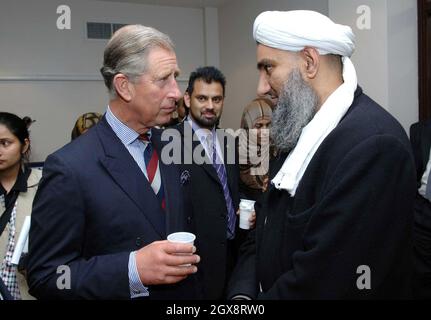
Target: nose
[(263, 86), (175, 90), (210, 104)]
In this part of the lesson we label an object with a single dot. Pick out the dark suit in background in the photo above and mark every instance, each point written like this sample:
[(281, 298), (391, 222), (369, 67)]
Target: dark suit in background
[(213, 187), (420, 137), (210, 216), (4, 292)]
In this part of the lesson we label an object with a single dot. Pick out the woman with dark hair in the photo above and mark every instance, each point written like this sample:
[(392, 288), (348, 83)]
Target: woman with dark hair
[(256, 117), (18, 185)]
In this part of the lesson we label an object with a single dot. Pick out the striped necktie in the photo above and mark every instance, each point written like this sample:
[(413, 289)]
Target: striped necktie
[(151, 159), (221, 173)]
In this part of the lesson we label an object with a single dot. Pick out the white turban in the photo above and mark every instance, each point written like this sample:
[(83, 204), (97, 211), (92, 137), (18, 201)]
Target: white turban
[(294, 30)]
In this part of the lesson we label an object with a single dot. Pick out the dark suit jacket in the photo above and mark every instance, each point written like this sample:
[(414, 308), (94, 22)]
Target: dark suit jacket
[(4, 292), (93, 207), (210, 214), (420, 138), (352, 208)]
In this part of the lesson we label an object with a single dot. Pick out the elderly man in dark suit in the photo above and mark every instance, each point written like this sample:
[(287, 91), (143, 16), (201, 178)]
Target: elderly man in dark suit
[(106, 202), (420, 137), (336, 221)]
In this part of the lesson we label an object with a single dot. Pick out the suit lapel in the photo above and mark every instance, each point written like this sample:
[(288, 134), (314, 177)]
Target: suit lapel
[(425, 144), (206, 166), (126, 173), (171, 185), (274, 167)]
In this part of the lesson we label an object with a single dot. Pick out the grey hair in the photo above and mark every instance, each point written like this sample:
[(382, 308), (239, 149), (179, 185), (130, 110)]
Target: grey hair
[(127, 52), (296, 107)]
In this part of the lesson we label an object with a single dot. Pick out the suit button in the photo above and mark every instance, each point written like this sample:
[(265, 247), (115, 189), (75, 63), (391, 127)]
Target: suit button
[(223, 243), (138, 242), (189, 220)]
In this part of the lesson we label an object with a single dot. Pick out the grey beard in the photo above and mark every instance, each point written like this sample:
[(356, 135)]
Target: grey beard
[(296, 107)]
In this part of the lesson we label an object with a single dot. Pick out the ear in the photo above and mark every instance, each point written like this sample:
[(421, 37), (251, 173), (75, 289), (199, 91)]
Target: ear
[(187, 100), (123, 87), (312, 62), (26, 146)]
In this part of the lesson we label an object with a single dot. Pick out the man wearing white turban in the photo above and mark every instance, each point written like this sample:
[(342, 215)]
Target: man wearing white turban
[(336, 220)]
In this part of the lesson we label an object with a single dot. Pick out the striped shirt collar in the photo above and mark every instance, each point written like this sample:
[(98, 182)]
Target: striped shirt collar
[(123, 132)]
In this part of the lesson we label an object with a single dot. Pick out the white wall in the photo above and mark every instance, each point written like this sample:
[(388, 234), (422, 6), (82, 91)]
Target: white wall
[(32, 49), (238, 49), (212, 47), (403, 61), (386, 57)]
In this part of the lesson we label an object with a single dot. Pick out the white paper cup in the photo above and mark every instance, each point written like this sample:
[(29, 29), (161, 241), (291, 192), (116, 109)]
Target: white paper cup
[(244, 217), (246, 208), (182, 237)]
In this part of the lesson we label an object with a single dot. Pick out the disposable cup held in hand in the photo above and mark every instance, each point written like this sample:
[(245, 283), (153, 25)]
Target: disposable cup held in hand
[(182, 237), (246, 208)]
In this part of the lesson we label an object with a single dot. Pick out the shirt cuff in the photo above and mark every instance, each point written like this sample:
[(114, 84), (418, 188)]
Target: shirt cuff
[(137, 289)]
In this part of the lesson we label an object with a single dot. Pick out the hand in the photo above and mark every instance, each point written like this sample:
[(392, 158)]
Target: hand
[(252, 220), (265, 184), (159, 262)]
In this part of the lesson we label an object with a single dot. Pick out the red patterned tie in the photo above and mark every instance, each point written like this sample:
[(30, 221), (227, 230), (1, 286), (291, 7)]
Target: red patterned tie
[(153, 170)]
